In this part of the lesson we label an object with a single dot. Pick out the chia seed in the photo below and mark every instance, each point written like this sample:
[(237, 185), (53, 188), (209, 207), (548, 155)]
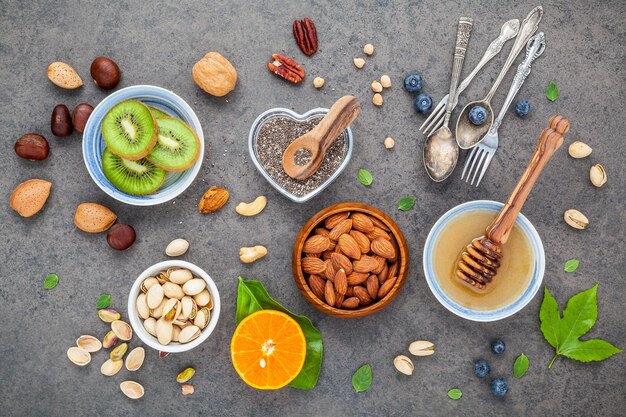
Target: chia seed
[(273, 138)]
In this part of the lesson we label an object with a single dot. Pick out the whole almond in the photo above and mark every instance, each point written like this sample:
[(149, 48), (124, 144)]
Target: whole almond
[(30, 196), (372, 286), (378, 232), (342, 227), (365, 264), (313, 266), (349, 247), (341, 261), (382, 276), (361, 240), (362, 222), (379, 223), (312, 255), (386, 287), (362, 294), (93, 218), (329, 293), (381, 264), (213, 200), (333, 220), (350, 303), (393, 270), (341, 282), (64, 76), (317, 284), (383, 247), (338, 299), (350, 291), (316, 244), (396, 248), (327, 254), (321, 231), (356, 278), (330, 271)]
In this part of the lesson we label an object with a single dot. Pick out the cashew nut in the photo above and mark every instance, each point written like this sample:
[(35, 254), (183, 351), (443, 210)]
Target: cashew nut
[(252, 209), (249, 255)]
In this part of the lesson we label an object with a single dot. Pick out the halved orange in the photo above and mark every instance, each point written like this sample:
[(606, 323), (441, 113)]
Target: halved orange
[(268, 349)]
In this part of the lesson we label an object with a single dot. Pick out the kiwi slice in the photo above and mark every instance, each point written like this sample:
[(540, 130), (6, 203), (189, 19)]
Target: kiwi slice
[(177, 148), (130, 130), (158, 114), (139, 177)]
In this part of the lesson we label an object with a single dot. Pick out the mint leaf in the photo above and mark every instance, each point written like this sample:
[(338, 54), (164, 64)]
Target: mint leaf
[(571, 265), (406, 203), (365, 177), (579, 317), (103, 301), (50, 281), (362, 378), (455, 393), (552, 91), (520, 366)]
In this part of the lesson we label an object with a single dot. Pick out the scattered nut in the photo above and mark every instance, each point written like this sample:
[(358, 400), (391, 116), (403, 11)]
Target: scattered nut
[(64, 76), (89, 343), (252, 209), (215, 74), (597, 175), (30, 196), (377, 99), (93, 218), (111, 367), (78, 356), (576, 219), (32, 146), (318, 82), (403, 364), (305, 33), (121, 236), (187, 389), (579, 150), (368, 49), (389, 142), (80, 115), (251, 254), (213, 200), (132, 389), (376, 86), (105, 73), (135, 359), (177, 247), (61, 121), (359, 62), (118, 352), (109, 340), (185, 375), (385, 81), (422, 348), (108, 315)]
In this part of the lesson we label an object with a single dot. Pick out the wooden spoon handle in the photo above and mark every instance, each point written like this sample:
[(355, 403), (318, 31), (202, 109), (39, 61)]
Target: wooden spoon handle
[(339, 117), (550, 140)]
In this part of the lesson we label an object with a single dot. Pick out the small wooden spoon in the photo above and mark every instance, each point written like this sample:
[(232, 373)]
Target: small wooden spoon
[(480, 260), (318, 140)]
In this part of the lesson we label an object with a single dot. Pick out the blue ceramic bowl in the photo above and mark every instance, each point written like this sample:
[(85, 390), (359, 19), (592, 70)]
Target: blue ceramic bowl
[(93, 143), (484, 315)]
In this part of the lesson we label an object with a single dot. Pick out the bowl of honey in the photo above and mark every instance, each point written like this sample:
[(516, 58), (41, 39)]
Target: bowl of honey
[(517, 281)]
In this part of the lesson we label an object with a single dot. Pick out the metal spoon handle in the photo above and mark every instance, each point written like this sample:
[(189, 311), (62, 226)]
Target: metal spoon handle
[(536, 46), (462, 38), (528, 28)]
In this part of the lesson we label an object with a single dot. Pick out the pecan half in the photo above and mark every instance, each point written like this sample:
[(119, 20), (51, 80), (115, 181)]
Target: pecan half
[(286, 68), (306, 35)]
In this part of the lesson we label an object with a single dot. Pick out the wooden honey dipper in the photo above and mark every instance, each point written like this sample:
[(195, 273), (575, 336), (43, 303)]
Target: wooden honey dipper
[(480, 260)]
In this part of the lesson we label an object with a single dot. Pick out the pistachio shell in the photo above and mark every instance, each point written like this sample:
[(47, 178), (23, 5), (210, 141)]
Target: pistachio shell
[(177, 247), (154, 296), (180, 275), (158, 312), (135, 359), (108, 315), (118, 352), (188, 334), (132, 389), (88, 343), (175, 333), (164, 331), (182, 324), (188, 305), (185, 375), (579, 149), (422, 348), (172, 290), (111, 367), (110, 339), (194, 286), (576, 219), (597, 175), (78, 356), (403, 364), (150, 325), (171, 310), (203, 298), (202, 318), (210, 304), (142, 306), (122, 330), (147, 283)]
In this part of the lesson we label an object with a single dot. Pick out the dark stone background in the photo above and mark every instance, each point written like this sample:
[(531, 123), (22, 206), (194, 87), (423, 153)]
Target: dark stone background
[(157, 43)]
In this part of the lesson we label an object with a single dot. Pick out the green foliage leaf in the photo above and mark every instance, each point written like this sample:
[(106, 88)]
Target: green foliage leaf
[(571, 265), (520, 366), (455, 393), (365, 177), (579, 317), (103, 301), (251, 297), (362, 378), (50, 281), (552, 91), (406, 203)]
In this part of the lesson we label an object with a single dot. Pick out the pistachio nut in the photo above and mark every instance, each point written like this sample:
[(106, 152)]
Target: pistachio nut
[(154, 296), (135, 358), (150, 325), (172, 290), (162, 278), (158, 312), (78, 356), (110, 339), (147, 283), (185, 375), (180, 276), (142, 306), (175, 333), (122, 330), (403, 364), (188, 334), (579, 150), (187, 389), (111, 367), (171, 310), (182, 323), (194, 286), (164, 331), (203, 298), (188, 305), (132, 389), (576, 219), (422, 348), (202, 318), (177, 247), (597, 175), (210, 304), (118, 352), (89, 343), (108, 315)]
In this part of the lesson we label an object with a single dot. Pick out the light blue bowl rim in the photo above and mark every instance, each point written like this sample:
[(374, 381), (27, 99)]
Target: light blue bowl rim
[(165, 100), (279, 111), (488, 315)]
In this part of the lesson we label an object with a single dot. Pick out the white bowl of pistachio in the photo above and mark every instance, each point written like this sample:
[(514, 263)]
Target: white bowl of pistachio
[(173, 306)]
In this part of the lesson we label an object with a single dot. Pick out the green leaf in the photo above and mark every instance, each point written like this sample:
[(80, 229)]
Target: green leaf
[(103, 301), (552, 91), (365, 177), (578, 318), (571, 265), (50, 281), (406, 203), (362, 378), (455, 393), (252, 296), (520, 366)]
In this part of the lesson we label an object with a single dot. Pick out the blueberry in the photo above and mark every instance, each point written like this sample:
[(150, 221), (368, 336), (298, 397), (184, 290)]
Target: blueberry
[(478, 115), (413, 82), (522, 107), (499, 387), (498, 347), (423, 103), (481, 368)]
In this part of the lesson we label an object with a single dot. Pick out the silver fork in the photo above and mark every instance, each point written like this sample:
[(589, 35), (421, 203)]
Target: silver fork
[(508, 31), (482, 153)]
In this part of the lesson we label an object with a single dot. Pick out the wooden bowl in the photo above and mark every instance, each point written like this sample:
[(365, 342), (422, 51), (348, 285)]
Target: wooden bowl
[(317, 221)]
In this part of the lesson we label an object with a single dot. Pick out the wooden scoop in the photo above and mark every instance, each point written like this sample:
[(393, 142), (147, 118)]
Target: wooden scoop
[(480, 260), (318, 140)]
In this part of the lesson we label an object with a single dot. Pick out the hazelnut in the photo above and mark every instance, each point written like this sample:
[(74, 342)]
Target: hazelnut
[(318, 82), (80, 115), (389, 142), (385, 81), (32, 146), (61, 121), (121, 236), (105, 72), (377, 99), (376, 86), (359, 62), (368, 49)]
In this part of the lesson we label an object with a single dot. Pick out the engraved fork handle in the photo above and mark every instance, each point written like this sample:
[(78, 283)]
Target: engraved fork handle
[(536, 46), (462, 38), (528, 28)]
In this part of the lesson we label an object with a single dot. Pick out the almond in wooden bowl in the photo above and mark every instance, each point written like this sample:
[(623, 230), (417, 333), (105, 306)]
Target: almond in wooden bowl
[(350, 260)]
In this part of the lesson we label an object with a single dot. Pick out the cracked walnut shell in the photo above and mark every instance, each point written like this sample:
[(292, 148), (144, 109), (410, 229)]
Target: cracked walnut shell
[(215, 74)]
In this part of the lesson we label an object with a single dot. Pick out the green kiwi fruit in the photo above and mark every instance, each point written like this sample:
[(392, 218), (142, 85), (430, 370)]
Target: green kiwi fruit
[(130, 130), (177, 148), (158, 114), (139, 177)]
